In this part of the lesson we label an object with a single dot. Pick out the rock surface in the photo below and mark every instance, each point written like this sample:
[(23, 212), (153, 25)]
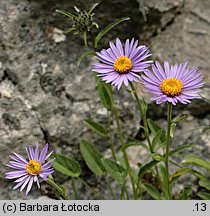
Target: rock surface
[(44, 96)]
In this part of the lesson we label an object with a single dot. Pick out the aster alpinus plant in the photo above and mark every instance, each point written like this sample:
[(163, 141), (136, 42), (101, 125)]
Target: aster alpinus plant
[(35, 169), (123, 64), (172, 85)]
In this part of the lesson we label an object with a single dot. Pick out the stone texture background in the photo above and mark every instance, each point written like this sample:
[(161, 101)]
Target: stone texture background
[(44, 96)]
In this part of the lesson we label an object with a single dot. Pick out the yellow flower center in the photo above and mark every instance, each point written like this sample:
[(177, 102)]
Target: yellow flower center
[(171, 87), (123, 64), (33, 167)]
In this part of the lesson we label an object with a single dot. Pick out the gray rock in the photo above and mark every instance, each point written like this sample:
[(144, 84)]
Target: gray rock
[(187, 37)]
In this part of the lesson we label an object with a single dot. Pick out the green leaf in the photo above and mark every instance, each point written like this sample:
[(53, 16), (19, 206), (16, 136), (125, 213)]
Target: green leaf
[(164, 178), (152, 191), (204, 195), (158, 133), (93, 7), (84, 55), (172, 128), (135, 143), (205, 184), (97, 127), (178, 173), (195, 160), (85, 38), (65, 13), (179, 119), (144, 106), (163, 173), (199, 175), (179, 149), (147, 167), (158, 138), (66, 165), (92, 157), (184, 194), (115, 170), (155, 128), (108, 28), (158, 157), (105, 93), (135, 176), (70, 30)]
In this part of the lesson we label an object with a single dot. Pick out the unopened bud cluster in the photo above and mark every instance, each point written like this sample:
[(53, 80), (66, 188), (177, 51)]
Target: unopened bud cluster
[(84, 21)]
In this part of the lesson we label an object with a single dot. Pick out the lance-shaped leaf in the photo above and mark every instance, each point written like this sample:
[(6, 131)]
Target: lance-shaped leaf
[(108, 28), (84, 55), (158, 133), (66, 165), (97, 127), (184, 194), (164, 179), (65, 13), (195, 160), (147, 167), (93, 7), (92, 157), (135, 143), (115, 170), (157, 157), (180, 149), (152, 191), (204, 195), (178, 173), (205, 184), (105, 93)]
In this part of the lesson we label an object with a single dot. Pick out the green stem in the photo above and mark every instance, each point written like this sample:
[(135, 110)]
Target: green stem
[(124, 192), (90, 188), (122, 145), (143, 116), (110, 188), (110, 136), (146, 130), (85, 38), (74, 188), (168, 142), (58, 188)]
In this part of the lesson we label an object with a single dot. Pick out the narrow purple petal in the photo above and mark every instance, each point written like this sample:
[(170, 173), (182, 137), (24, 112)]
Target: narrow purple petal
[(28, 154), (127, 47), (37, 181), (21, 158), (43, 153), (15, 174), (25, 182), (48, 163), (119, 47), (114, 50), (48, 155), (31, 152), (18, 185), (21, 179), (29, 185)]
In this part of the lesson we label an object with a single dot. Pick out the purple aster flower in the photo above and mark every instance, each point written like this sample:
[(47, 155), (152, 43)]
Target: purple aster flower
[(121, 65), (27, 171), (173, 84)]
